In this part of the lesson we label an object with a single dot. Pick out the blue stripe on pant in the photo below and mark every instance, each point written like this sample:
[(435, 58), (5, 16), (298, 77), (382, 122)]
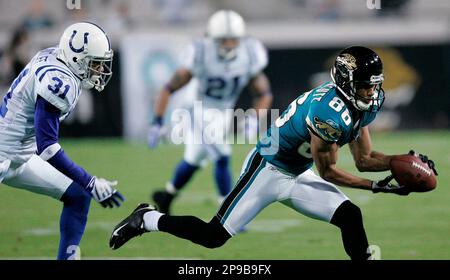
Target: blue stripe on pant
[(254, 166)]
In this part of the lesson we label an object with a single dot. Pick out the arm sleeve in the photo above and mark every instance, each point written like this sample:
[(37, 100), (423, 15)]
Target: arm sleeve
[(46, 123)]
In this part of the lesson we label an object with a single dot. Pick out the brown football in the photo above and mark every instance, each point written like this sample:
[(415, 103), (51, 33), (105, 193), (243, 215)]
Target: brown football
[(410, 171)]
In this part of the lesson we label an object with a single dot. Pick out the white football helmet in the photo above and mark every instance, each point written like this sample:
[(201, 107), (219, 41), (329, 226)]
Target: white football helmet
[(86, 50), (225, 24)]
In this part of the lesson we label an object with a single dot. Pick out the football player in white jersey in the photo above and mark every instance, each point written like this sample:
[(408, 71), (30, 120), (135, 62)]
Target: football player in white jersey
[(223, 63), (43, 94)]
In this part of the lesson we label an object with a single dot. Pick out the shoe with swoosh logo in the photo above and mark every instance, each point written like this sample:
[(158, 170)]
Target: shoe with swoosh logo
[(130, 227)]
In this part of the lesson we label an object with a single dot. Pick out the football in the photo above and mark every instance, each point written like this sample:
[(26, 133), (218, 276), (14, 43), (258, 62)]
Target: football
[(409, 170)]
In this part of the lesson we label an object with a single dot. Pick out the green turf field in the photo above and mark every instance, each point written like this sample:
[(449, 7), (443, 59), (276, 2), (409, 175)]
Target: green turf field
[(413, 227)]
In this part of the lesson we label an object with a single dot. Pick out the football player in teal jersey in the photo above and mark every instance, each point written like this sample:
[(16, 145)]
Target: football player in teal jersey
[(311, 130)]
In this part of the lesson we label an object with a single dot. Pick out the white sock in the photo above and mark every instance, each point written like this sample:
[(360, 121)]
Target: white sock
[(171, 189), (220, 199), (151, 219)]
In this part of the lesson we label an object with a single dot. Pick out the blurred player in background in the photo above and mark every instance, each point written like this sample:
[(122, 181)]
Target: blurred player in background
[(43, 94), (311, 130), (223, 63)]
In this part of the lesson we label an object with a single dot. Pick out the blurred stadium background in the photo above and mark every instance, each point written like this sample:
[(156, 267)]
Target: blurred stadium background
[(106, 133)]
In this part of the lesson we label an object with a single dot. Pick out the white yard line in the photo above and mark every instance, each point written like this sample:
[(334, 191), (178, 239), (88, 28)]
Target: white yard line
[(258, 225), (362, 199), (273, 225)]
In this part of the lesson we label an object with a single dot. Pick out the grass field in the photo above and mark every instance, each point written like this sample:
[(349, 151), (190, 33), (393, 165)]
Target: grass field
[(413, 227)]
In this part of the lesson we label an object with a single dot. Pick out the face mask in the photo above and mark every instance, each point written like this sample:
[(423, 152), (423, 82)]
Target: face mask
[(224, 52), (95, 78)]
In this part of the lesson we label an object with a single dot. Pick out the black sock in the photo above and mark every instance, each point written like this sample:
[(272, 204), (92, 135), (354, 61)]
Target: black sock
[(210, 235), (348, 218)]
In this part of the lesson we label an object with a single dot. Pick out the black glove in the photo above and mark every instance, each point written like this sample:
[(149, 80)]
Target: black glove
[(426, 160), (386, 187)]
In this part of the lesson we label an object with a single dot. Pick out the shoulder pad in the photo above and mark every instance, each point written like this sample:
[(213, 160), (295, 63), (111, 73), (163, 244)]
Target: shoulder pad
[(328, 119), (57, 85), (193, 55), (257, 55)]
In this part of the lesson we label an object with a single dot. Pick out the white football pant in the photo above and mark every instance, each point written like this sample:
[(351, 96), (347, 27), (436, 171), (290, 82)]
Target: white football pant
[(35, 175), (261, 184), (206, 139)]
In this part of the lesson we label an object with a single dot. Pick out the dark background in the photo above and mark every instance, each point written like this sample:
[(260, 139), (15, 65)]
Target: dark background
[(289, 71)]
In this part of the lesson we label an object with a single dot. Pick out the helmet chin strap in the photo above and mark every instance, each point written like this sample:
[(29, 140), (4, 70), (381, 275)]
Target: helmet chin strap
[(358, 104), (362, 105), (93, 81)]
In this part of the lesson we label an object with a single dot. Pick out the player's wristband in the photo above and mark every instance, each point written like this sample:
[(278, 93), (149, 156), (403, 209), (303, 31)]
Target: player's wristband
[(158, 120)]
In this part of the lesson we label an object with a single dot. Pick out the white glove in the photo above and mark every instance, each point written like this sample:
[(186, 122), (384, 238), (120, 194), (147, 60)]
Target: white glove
[(104, 193), (154, 134)]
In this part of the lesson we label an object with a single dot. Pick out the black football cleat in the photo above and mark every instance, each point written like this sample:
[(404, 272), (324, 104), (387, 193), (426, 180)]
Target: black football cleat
[(130, 227), (163, 200)]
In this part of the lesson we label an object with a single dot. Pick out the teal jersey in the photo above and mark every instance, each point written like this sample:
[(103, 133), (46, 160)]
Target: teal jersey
[(321, 111)]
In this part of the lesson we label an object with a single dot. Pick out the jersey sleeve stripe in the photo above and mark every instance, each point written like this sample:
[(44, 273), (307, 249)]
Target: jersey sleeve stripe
[(54, 69), (3, 110), (42, 67)]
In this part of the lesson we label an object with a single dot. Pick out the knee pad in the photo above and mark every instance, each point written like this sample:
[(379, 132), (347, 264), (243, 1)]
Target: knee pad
[(216, 235), (347, 214)]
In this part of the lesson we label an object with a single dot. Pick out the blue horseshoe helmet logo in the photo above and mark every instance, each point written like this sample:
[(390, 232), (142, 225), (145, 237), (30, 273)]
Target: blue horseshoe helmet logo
[(86, 34)]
